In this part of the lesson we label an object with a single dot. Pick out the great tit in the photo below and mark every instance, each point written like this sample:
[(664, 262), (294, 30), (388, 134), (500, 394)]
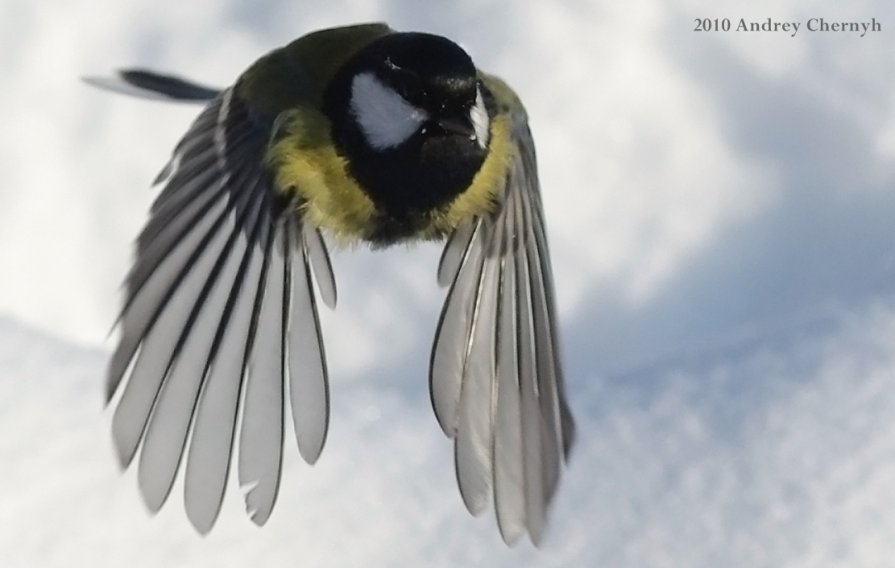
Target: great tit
[(358, 134)]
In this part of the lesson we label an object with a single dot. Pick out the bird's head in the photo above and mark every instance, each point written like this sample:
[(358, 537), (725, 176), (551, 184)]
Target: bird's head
[(410, 116), (417, 85)]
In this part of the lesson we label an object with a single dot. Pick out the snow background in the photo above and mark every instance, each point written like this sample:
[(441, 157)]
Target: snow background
[(720, 210)]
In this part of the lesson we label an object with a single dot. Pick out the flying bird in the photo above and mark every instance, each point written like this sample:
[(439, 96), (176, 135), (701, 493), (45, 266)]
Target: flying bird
[(346, 135)]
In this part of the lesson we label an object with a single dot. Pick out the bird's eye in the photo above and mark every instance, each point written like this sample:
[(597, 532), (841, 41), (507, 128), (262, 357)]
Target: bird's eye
[(410, 88), (392, 66), (406, 82)]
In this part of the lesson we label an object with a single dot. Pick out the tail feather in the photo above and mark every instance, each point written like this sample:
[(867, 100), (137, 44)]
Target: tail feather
[(150, 85)]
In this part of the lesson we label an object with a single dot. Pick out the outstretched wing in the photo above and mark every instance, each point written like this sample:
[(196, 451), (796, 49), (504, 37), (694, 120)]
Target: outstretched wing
[(495, 375), (220, 323)]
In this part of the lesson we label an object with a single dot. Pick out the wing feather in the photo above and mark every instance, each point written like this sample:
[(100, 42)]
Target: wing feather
[(216, 416), (166, 432), (322, 267), (454, 251), (159, 319), (509, 475), (495, 376), (535, 507), (216, 320), (261, 436), (452, 339), (309, 393), (475, 427)]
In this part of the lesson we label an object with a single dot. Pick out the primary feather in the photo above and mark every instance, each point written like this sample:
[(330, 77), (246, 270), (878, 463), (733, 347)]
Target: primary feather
[(218, 299), (495, 375)]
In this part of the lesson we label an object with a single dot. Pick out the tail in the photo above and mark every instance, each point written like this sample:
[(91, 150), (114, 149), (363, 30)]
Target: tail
[(149, 85)]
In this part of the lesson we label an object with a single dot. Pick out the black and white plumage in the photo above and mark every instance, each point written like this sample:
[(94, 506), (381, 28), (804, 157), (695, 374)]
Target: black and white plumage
[(495, 375), (220, 292), (220, 326)]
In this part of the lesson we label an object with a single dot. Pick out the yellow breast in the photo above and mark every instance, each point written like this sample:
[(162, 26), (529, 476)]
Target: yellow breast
[(305, 163)]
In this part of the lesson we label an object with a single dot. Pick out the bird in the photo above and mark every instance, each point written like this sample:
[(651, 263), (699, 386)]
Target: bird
[(354, 134)]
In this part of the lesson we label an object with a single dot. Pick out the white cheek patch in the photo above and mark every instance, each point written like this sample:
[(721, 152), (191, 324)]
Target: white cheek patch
[(478, 115), (383, 115)]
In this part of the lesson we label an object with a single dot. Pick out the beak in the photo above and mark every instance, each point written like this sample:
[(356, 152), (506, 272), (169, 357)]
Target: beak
[(454, 125)]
